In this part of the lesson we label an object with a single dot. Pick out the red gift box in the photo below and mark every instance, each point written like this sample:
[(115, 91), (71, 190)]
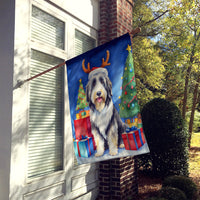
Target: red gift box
[(83, 128), (134, 139)]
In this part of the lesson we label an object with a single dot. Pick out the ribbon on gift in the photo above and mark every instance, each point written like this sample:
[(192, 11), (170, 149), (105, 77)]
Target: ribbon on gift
[(126, 141), (136, 141), (90, 132), (141, 134), (76, 149), (129, 129), (89, 147)]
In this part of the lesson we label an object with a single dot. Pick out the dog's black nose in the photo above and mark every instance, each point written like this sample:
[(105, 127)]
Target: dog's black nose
[(98, 93)]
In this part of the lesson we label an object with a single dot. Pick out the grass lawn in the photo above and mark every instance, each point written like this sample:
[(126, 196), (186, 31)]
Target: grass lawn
[(194, 160)]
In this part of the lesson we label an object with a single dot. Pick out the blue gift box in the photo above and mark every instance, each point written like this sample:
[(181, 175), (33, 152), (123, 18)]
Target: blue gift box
[(84, 148)]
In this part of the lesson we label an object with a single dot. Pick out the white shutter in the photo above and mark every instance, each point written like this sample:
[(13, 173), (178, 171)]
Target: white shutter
[(46, 28), (45, 141), (45, 138)]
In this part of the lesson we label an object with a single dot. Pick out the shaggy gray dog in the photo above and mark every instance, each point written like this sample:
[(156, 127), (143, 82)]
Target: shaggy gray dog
[(106, 124)]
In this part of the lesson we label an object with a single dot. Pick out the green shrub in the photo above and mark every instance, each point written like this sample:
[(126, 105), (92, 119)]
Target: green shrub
[(171, 193), (183, 183), (144, 163), (167, 138)]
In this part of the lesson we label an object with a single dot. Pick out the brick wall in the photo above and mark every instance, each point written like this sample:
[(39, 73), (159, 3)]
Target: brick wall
[(118, 177), (115, 19)]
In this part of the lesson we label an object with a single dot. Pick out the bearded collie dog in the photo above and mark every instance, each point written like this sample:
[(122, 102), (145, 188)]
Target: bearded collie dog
[(106, 124)]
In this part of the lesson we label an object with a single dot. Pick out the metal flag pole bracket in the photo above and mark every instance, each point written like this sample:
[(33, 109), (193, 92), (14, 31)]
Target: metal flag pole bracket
[(19, 84)]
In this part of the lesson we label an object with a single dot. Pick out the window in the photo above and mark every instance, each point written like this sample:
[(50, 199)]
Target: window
[(83, 43), (45, 138), (47, 29)]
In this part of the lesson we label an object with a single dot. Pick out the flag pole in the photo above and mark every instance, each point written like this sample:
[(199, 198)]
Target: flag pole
[(133, 33), (20, 83)]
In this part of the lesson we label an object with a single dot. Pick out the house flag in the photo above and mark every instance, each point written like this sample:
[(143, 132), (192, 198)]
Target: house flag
[(104, 109)]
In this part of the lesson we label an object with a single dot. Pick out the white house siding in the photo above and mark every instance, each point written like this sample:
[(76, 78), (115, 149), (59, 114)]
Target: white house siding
[(73, 182), (85, 10)]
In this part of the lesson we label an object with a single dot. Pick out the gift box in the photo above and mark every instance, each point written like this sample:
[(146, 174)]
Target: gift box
[(84, 148), (83, 128), (134, 139), (132, 121), (83, 114)]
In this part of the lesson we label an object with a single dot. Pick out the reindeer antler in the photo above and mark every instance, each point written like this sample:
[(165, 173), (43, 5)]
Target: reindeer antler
[(104, 63), (88, 70)]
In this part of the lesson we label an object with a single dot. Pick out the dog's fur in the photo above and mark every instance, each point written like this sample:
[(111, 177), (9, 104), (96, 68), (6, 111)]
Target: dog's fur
[(106, 124)]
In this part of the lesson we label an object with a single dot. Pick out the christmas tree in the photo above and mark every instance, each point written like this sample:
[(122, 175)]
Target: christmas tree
[(129, 104), (81, 102)]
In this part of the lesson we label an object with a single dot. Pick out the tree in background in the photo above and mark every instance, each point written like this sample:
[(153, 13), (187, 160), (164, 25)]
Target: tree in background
[(183, 29), (173, 29), (149, 67)]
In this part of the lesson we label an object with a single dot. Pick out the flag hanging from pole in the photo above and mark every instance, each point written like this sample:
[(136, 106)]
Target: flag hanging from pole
[(105, 115)]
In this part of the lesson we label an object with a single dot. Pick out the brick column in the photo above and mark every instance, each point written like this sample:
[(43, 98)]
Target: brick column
[(118, 177), (115, 19)]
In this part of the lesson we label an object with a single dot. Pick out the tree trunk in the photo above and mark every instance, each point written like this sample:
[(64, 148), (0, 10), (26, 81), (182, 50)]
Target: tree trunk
[(193, 109), (198, 99), (185, 91), (188, 74)]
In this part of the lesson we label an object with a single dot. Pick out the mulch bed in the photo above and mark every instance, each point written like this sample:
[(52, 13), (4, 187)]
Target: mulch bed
[(149, 186), (195, 171)]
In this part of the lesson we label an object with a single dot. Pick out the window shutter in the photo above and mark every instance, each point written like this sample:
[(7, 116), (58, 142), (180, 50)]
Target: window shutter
[(46, 28), (83, 43), (45, 135), (45, 141)]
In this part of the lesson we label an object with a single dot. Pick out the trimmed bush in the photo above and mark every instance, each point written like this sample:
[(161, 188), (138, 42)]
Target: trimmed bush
[(183, 183), (167, 138), (171, 193)]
